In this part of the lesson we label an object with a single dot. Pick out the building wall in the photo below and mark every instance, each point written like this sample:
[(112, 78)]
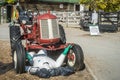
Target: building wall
[(51, 6)]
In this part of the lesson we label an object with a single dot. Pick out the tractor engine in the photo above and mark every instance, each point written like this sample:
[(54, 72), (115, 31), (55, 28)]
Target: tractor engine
[(44, 30), (48, 28)]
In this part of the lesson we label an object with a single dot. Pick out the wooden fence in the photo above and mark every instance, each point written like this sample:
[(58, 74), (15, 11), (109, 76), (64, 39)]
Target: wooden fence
[(108, 21), (70, 19)]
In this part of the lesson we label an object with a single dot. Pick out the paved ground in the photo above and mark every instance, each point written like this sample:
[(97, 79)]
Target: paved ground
[(102, 53), (4, 32)]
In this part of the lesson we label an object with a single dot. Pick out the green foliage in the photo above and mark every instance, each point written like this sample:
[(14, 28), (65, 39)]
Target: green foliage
[(10, 1), (106, 5), (85, 1)]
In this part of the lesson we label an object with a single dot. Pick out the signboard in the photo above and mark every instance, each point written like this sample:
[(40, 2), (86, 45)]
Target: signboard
[(94, 30)]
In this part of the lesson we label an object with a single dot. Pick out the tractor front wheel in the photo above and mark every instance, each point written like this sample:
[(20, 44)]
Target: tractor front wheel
[(75, 58), (19, 58), (15, 35)]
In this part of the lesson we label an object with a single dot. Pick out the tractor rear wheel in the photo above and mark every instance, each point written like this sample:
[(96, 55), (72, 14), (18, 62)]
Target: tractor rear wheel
[(15, 35), (19, 58), (75, 58), (62, 34)]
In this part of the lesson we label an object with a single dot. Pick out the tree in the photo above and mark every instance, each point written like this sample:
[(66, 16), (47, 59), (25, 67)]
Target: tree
[(106, 5), (10, 1)]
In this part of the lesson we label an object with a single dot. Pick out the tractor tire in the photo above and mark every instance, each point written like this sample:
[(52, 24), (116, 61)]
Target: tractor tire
[(19, 58), (15, 35), (62, 35), (75, 58)]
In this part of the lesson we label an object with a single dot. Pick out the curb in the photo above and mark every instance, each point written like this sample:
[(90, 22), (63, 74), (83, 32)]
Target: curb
[(90, 70)]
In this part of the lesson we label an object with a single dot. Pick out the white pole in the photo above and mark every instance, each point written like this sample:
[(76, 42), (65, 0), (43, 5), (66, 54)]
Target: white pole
[(74, 7)]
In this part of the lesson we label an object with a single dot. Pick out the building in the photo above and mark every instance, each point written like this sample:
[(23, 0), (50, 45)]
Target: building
[(52, 5), (44, 5)]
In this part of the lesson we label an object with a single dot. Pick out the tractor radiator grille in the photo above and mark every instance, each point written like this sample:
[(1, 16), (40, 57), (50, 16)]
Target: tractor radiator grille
[(44, 29), (55, 29), (49, 29)]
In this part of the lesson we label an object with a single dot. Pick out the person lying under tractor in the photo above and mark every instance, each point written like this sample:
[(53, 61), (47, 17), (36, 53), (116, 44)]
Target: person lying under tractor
[(44, 66)]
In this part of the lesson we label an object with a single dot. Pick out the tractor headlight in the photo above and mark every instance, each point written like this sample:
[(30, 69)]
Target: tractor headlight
[(24, 21)]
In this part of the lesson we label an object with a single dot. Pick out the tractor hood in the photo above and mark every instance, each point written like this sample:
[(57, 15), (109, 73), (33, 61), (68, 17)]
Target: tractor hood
[(47, 16), (49, 29)]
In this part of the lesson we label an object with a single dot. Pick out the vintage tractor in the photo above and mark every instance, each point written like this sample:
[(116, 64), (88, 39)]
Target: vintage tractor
[(42, 31)]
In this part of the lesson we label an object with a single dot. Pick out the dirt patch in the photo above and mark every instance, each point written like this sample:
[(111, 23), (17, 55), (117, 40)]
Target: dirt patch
[(7, 71)]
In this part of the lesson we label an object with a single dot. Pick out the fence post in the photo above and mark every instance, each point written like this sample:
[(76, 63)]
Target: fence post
[(0, 14), (67, 19)]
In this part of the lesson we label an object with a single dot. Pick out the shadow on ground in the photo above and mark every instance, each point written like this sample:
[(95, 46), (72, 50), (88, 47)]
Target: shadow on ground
[(5, 67)]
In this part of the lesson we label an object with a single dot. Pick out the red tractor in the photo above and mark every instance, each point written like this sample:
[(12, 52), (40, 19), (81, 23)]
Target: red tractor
[(41, 32)]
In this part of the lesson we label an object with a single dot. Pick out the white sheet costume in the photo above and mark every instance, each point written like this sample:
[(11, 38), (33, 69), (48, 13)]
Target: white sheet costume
[(44, 66)]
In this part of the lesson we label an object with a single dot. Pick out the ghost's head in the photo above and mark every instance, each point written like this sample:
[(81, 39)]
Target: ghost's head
[(44, 52)]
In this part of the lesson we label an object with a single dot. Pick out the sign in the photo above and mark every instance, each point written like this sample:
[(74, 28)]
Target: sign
[(94, 30)]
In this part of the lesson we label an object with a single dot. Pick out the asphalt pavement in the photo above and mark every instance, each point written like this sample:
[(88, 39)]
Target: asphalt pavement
[(4, 31), (102, 53)]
